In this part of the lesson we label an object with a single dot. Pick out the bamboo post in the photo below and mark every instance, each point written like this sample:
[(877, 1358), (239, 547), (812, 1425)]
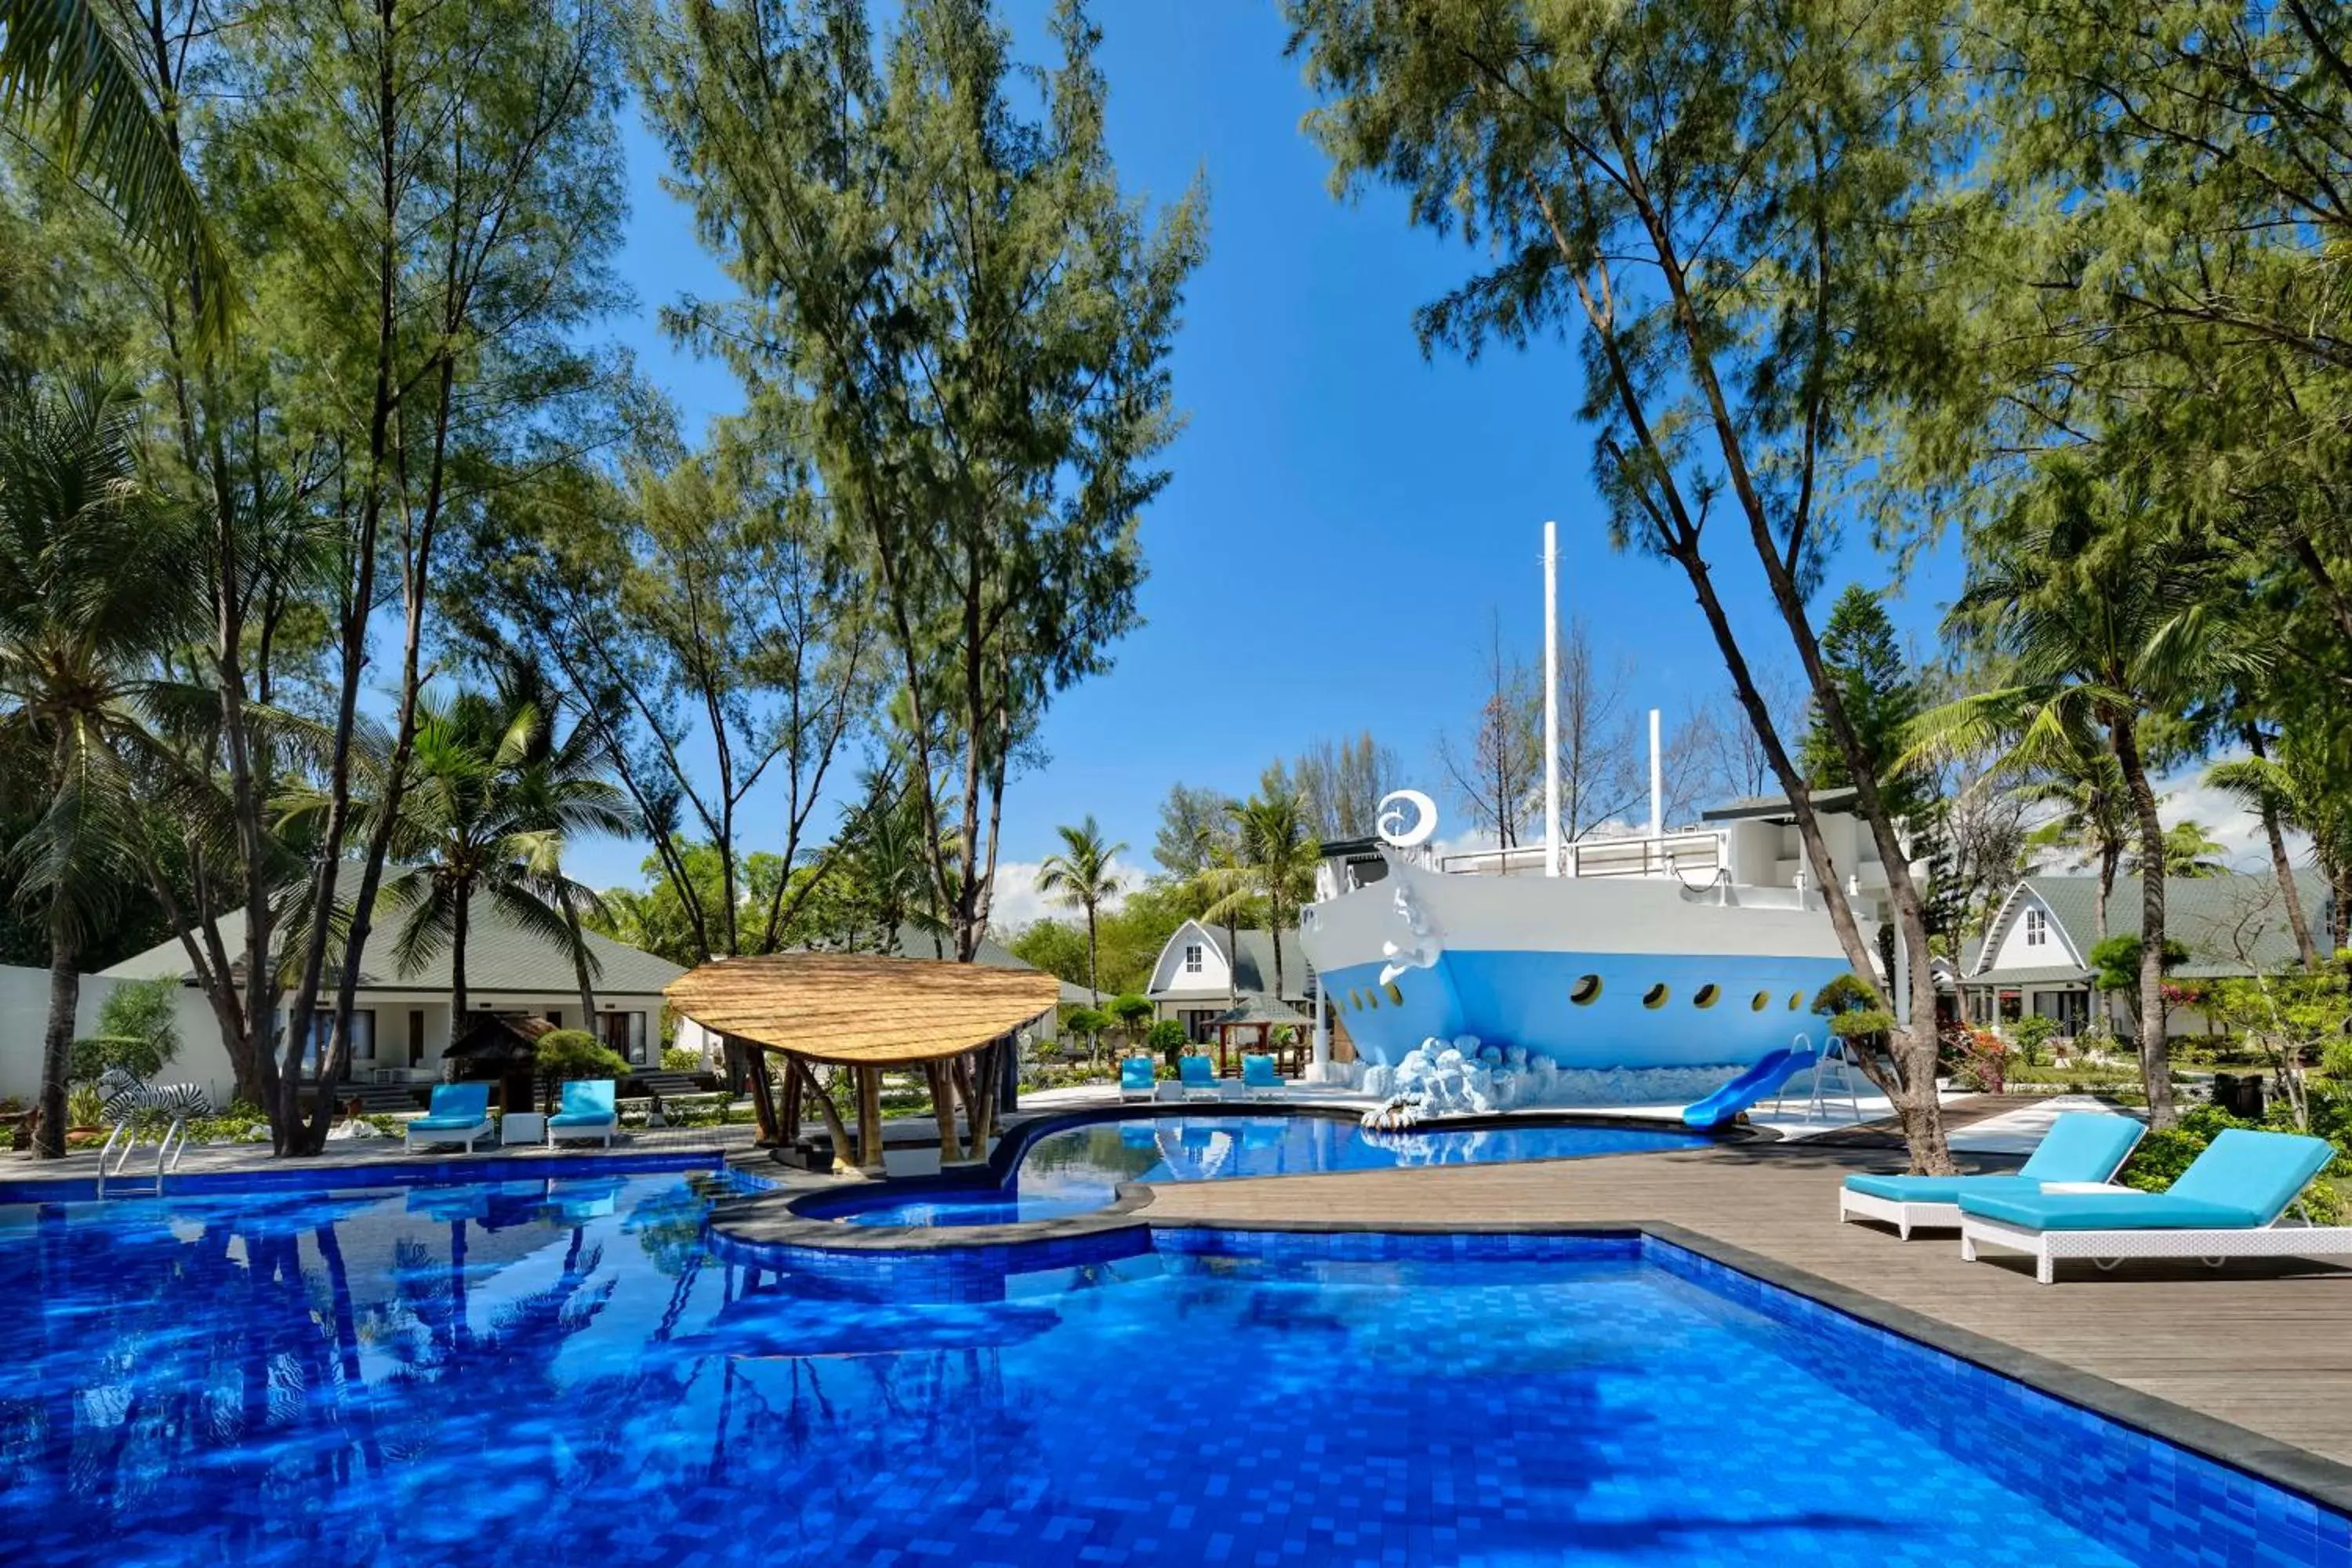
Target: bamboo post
[(943, 1111), (869, 1119)]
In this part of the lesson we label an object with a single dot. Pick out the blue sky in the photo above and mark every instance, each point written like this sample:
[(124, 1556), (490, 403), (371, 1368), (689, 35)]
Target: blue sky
[(1344, 514)]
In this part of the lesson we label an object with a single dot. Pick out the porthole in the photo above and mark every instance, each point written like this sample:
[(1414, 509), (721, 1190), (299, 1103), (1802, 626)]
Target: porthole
[(1796, 1000), (1355, 1001), (1587, 991), (1707, 995), (1396, 998), (1655, 996), (1373, 1001), (1763, 1000)]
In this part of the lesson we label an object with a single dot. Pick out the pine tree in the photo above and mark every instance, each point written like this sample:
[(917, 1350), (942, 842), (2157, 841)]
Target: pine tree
[(1881, 695)]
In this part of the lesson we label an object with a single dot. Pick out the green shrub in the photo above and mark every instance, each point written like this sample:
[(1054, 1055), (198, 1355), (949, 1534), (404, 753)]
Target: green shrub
[(2030, 1034), (562, 1055), (1166, 1040), (1846, 993), (143, 1010), (676, 1058), (94, 1056)]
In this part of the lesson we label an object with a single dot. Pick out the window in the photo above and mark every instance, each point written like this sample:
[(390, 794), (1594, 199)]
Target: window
[(1761, 1000), (1655, 996), (322, 1026), (1587, 991), (1192, 958), (1708, 994), (1396, 996), (2037, 928)]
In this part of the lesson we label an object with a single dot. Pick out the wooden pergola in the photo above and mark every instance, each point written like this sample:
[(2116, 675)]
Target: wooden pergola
[(1262, 1015), (867, 1013)]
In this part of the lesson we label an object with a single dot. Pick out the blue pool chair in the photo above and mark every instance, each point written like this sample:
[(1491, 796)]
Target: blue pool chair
[(2227, 1204), (2080, 1147), (461, 1113), (1135, 1080), (586, 1112), (1198, 1077), (1258, 1078)]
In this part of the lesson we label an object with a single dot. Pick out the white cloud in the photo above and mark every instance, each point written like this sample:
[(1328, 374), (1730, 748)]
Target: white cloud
[(2224, 818), (1016, 901)]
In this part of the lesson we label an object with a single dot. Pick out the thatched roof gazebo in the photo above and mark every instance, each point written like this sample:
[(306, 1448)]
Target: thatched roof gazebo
[(1262, 1014), (867, 1013)]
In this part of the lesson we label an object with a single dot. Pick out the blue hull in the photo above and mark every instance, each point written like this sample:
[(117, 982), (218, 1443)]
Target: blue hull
[(1648, 1010)]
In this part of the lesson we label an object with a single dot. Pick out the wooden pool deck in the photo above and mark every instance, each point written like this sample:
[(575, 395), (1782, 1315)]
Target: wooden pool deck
[(2252, 1364)]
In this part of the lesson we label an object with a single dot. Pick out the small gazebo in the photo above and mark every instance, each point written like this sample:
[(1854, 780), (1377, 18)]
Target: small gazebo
[(955, 1022), (1262, 1014)]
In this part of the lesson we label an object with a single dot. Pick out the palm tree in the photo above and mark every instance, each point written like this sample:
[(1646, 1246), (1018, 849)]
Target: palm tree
[(1274, 858), (2104, 616), (2294, 789), (1083, 878), (62, 74), (883, 859), (2189, 853), (562, 787), (2094, 820), (94, 587), (486, 813)]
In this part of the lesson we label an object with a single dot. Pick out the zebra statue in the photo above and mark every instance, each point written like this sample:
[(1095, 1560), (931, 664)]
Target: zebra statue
[(125, 1097)]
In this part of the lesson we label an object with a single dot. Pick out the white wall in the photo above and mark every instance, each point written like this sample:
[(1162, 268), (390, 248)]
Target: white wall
[(24, 1018), (1169, 973)]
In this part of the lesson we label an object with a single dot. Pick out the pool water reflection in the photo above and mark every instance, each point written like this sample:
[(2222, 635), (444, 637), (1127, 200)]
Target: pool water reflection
[(1078, 1168), (564, 1373)]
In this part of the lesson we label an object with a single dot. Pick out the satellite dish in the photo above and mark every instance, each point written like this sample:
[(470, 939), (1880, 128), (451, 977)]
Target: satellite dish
[(1403, 832)]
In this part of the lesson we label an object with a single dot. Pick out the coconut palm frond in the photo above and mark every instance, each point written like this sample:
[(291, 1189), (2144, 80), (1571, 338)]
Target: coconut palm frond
[(61, 72)]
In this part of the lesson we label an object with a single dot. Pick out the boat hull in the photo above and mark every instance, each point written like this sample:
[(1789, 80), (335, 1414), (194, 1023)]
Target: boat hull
[(1593, 974)]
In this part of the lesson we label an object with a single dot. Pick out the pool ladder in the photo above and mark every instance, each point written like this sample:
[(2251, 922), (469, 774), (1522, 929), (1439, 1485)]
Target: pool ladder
[(115, 1159), (1834, 1052)]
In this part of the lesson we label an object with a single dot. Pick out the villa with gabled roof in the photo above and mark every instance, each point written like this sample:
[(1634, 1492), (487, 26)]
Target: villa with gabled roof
[(2036, 954)]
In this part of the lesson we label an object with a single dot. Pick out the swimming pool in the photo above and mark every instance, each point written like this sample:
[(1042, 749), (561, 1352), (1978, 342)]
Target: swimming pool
[(1078, 1168), (567, 1372)]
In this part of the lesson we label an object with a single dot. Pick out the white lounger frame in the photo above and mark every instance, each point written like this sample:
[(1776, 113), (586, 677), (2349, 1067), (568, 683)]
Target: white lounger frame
[(602, 1133), (1905, 1217), (2106, 1248), (486, 1128)]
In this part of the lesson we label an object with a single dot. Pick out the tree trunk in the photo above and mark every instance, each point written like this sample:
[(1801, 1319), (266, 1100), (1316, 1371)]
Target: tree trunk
[(1093, 971), (57, 1042), (2283, 870), (2155, 1049), (2111, 857), (461, 918), (834, 1128), (580, 971)]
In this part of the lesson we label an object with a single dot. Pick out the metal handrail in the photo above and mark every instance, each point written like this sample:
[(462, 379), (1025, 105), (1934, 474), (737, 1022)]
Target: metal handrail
[(168, 1153)]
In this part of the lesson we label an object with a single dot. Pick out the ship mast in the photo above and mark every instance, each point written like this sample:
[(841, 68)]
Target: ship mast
[(1551, 699)]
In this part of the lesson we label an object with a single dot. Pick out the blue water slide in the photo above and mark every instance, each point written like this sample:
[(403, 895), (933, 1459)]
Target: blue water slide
[(1749, 1087)]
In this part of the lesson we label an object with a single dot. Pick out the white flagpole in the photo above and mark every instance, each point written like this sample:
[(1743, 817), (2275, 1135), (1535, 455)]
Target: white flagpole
[(1551, 699)]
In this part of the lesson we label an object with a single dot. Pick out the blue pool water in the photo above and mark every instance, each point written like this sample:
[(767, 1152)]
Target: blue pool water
[(568, 1374), (1078, 1168)]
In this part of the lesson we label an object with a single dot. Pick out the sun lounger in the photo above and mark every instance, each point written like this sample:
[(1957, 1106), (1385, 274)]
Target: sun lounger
[(1135, 1079), (1198, 1077), (2081, 1146), (1259, 1081), (461, 1113), (587, 1111), (2226, 1204)]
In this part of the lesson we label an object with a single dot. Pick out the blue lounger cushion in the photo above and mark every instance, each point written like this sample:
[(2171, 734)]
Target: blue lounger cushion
[(1195, 1071), (587, 1102), (2084, 1146), (2242, 1181), (2106, 1211), (455, 1106), (1938, 1189), (1135, 1073), (1257, 1072), (2081, 1146)]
